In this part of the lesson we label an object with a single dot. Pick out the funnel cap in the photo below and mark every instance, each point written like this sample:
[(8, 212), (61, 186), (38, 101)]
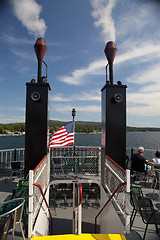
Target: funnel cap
[(40, 48), (110, 51)]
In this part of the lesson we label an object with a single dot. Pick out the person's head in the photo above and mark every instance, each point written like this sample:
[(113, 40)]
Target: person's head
[(157, 154), (141, 149)]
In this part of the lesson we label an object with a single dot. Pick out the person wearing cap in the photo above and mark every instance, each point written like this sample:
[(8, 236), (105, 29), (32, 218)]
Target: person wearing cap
[(139, 163)]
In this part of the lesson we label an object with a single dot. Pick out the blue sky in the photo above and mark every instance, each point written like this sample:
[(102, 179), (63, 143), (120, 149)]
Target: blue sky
[(76, 32)]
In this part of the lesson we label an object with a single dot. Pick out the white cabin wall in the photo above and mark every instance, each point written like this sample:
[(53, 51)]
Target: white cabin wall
[(110, 222)]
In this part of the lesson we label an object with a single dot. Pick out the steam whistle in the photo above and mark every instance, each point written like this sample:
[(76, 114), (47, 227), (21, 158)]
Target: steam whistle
[(110, 52), (40, 49)]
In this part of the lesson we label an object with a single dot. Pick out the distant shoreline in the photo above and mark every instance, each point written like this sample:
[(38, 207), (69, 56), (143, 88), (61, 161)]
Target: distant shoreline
[(20, 135), (81, 127)]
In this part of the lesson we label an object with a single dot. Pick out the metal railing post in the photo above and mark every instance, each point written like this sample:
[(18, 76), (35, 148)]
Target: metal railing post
[(127, 203), (30, 204), (99, 164), (79, 209), (15, 157), (73, 222)]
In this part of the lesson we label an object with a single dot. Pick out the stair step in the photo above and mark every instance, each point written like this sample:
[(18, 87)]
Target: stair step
[(82, 237)]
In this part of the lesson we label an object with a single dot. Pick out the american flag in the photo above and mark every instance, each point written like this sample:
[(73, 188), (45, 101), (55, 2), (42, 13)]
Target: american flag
[(64, 136)]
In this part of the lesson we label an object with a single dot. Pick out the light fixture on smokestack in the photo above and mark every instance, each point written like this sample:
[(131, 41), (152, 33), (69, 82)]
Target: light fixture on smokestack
[(110, 52), (40, 49)]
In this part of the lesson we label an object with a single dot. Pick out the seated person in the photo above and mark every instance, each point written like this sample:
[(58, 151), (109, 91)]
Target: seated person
[(155, 164), (139, 164), (156, 160)]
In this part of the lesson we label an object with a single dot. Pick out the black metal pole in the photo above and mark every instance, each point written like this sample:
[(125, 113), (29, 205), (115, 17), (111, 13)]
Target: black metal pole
[(74, 133), (39, 70), (111, 72), (73, 115), (106, 73), (14, 154)]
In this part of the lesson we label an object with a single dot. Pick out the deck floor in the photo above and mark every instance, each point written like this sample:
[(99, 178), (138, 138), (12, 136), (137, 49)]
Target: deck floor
[(88, 214), (62, 220), (138, 227)]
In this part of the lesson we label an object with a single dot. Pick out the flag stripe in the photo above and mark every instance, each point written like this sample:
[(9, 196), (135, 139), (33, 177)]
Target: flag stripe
[(63, 138), (59, 137), (63, 141), (70, 136)]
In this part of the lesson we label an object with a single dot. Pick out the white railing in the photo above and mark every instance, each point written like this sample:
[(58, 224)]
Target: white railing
[(9, 155), (87, 160), (39, 198), (112, 176), (76, 162)]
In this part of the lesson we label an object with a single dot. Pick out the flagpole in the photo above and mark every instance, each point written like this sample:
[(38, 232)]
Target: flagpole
[(73, 115)]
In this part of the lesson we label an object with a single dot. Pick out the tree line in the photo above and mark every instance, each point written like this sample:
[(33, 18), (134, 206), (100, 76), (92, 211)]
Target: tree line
[(80, 127), (12, 127)]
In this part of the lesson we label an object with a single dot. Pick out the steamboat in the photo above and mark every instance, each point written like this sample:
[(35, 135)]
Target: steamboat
[(72, 192)]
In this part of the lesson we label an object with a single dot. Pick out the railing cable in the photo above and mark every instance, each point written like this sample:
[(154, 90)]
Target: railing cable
[(39, 186)]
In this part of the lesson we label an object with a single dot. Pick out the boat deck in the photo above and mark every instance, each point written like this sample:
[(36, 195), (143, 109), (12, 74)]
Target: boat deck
[(138, 227), (89, 213)]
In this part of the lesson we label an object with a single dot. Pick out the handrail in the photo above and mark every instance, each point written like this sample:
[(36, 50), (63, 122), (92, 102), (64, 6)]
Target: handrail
[(39, 163), (78, 148), (39, 186), (119, 186), (80, 196), (116, 164), (12, 149)]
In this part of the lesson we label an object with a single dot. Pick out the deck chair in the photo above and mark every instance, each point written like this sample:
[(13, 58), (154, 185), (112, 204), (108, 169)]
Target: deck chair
[(5, 171), (58, 165), (17, 169), (138, 192), (4, 226), (11, 214), (145, 208), (93, 199), (157, 178)]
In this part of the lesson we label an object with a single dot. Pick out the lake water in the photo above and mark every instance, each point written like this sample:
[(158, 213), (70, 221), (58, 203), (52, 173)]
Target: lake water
[(149, 140)]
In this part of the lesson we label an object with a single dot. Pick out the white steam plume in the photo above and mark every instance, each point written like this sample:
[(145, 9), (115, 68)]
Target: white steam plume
[(28, 13), (102, 14)]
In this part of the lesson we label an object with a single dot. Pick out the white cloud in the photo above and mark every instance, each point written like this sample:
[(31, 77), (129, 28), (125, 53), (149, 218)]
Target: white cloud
[(134, 17), (86, 108), (78, 77), (150, 78), (102, 13), (20, 53), (143, 104), (14, 40), (142, 52), (5, 119), (94, 95), (17, 108), (28, 12), (89, 108), (139, 54)]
